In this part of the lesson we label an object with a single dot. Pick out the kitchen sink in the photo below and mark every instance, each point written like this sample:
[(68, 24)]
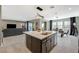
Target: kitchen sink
[(45, 33)]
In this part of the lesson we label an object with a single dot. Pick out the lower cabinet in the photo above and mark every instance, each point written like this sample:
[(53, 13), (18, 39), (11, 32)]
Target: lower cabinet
[(44, 48), (28, 42), (48, 47), (40, 46), (36, 46)]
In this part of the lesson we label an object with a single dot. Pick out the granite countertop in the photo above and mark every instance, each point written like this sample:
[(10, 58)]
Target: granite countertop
[(39, 35)]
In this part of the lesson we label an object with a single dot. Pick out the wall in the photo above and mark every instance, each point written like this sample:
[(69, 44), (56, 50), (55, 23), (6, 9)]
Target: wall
[(18, 12), (18, 24), (3, 23)]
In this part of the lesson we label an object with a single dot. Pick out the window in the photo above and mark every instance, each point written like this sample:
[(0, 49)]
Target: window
[(57, 24), (42, 26), (54, 25), (66, 23), (60, 24), (30, 26)]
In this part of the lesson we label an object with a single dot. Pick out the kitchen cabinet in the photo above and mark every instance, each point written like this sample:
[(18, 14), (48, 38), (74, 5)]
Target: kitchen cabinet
[(48, 44), (28, 42), (37, 45), (44, 47)]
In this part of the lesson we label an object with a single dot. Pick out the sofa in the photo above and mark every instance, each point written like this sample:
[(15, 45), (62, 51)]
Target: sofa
[(12, 32)]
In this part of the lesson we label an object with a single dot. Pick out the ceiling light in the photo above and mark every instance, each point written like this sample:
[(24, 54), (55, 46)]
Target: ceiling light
[(56, 16), (70, 8), (52, 7)]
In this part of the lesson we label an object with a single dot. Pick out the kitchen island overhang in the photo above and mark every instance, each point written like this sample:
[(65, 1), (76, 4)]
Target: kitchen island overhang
[(40, 42)]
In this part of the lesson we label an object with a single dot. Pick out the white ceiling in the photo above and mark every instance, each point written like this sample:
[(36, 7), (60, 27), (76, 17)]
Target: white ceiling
[(29, 12)]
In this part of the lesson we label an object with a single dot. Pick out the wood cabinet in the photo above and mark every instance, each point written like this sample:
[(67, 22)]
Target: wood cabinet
[(40, 46), (36, 45), (48, 47), (28, 42), (44, 48)]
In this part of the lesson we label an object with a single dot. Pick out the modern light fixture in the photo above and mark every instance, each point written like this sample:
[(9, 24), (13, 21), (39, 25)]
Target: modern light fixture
[(39, 8)]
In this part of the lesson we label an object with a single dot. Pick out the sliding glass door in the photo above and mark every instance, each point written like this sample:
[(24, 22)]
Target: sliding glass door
[(44, 26), (54, 25), (61, 24), (30, 26), (66, 25)]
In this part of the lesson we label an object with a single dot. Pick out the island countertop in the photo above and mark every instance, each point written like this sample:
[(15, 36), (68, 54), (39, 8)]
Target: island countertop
[(39, 35)]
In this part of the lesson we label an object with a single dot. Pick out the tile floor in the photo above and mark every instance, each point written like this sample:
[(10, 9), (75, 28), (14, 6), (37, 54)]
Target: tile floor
[(16, 44)]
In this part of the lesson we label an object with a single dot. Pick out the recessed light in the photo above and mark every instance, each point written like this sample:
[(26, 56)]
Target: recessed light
[(56, 16), (70, 8), (52, 7)]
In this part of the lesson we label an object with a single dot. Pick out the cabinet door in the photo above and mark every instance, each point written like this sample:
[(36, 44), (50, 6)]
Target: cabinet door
[(55, 37), (36, 45), (48, 45), (28, 41), (52, 41), (44, 48)]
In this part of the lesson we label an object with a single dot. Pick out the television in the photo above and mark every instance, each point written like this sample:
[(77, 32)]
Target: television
[(11, 25)]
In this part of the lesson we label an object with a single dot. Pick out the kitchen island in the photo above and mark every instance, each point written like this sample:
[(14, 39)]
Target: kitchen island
[(40, 42)]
